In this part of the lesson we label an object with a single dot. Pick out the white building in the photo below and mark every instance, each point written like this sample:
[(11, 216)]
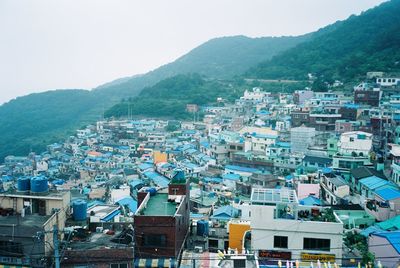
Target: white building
[(301, 138), (254, 95), (388, 81), (334, 189), (353, 151), (358, 142), (280, 224)]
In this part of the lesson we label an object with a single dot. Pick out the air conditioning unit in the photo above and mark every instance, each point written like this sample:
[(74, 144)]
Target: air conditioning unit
[(99, 229), (198, 249)]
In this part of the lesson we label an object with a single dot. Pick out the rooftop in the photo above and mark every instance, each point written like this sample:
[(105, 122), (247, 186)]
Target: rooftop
[(158, 205), (259, 195)]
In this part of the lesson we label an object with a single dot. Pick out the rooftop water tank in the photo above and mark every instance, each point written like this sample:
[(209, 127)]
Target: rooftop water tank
[(152, 191), (202, 228), (39, 185), (24, 184), (79, 208)]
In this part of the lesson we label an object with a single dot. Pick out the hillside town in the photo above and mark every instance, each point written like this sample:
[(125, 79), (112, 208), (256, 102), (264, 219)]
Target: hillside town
[(303, 179)]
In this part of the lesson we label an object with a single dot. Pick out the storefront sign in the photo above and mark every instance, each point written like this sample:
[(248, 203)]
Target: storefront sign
[(316, 257), (281, 255)]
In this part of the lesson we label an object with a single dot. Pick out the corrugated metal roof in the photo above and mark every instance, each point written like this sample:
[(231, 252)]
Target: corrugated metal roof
[(388, 193)]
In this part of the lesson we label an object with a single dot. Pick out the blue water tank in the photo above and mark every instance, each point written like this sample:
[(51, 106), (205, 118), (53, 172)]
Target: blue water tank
[(202, 228), (39, 184), (24, 184), (236, 200), (79, 208), (152, 191)]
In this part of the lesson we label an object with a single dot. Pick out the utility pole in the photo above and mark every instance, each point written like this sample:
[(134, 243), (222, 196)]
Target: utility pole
[(55, 245)]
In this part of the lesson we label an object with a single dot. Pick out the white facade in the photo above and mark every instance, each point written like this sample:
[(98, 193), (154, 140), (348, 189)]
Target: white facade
[(255, 95), (356, 141), (301, 138), (266, 224), (388, 81)]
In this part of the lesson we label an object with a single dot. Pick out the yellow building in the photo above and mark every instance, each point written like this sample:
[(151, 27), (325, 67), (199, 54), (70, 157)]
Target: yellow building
[(160, 157), (237, 230)]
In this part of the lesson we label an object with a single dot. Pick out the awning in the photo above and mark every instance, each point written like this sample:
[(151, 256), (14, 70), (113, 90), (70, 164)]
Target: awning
[(157, 263)]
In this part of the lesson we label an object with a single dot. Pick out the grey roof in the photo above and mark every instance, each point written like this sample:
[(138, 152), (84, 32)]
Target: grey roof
[(316, 159), (364, 172), (337, 181)]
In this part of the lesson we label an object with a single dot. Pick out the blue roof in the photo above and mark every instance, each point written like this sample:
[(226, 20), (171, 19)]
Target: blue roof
[(289, 177), (326, 170), (388, 193), (310, 201), (392, 237), (283, 144), (264, 136), (205, 144), (191, 151), (352, 106), (225, 213), (145, 166), (239, 168), (130, 202), (157, 179), (111, 216), (86, 190), (190, 165), (213, 180), (370, 230), (94, 203), (373, 182), (232, 177), (135, 182), (196, 215)]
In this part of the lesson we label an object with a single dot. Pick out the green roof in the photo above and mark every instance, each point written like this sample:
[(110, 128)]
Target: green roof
[(392, 224), (158, 205)]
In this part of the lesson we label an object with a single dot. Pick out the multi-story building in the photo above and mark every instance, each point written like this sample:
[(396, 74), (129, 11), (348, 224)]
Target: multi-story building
[(333, 189), (324, 121), (301, 138), (161, 221), (353, 151), (281, 227)]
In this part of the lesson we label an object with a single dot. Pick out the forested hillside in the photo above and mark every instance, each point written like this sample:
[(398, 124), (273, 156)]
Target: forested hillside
[(369, 42)]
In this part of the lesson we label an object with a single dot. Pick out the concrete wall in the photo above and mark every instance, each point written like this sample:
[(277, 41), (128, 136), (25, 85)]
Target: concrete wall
[(384, 252), (264, 227)]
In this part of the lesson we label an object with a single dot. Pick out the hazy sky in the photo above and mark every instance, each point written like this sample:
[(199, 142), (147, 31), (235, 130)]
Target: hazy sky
[(48, 44)]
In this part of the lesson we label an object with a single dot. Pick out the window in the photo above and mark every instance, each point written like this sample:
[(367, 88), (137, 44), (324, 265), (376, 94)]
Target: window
[(154, 240), (317, 244), (280, 242), (119, 265)]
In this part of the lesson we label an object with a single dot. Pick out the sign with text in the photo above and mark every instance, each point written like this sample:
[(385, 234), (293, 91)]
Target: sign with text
[(281, 255), (316, 257)]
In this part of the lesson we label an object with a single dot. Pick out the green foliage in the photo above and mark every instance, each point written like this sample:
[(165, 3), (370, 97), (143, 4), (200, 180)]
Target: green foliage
[(222, 57), (169, 97), (346, 50), (356, 241), (34, 121)]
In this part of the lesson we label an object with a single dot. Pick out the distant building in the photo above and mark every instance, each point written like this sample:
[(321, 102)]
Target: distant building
[(301, 138), (300, 96), (388, 81)]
